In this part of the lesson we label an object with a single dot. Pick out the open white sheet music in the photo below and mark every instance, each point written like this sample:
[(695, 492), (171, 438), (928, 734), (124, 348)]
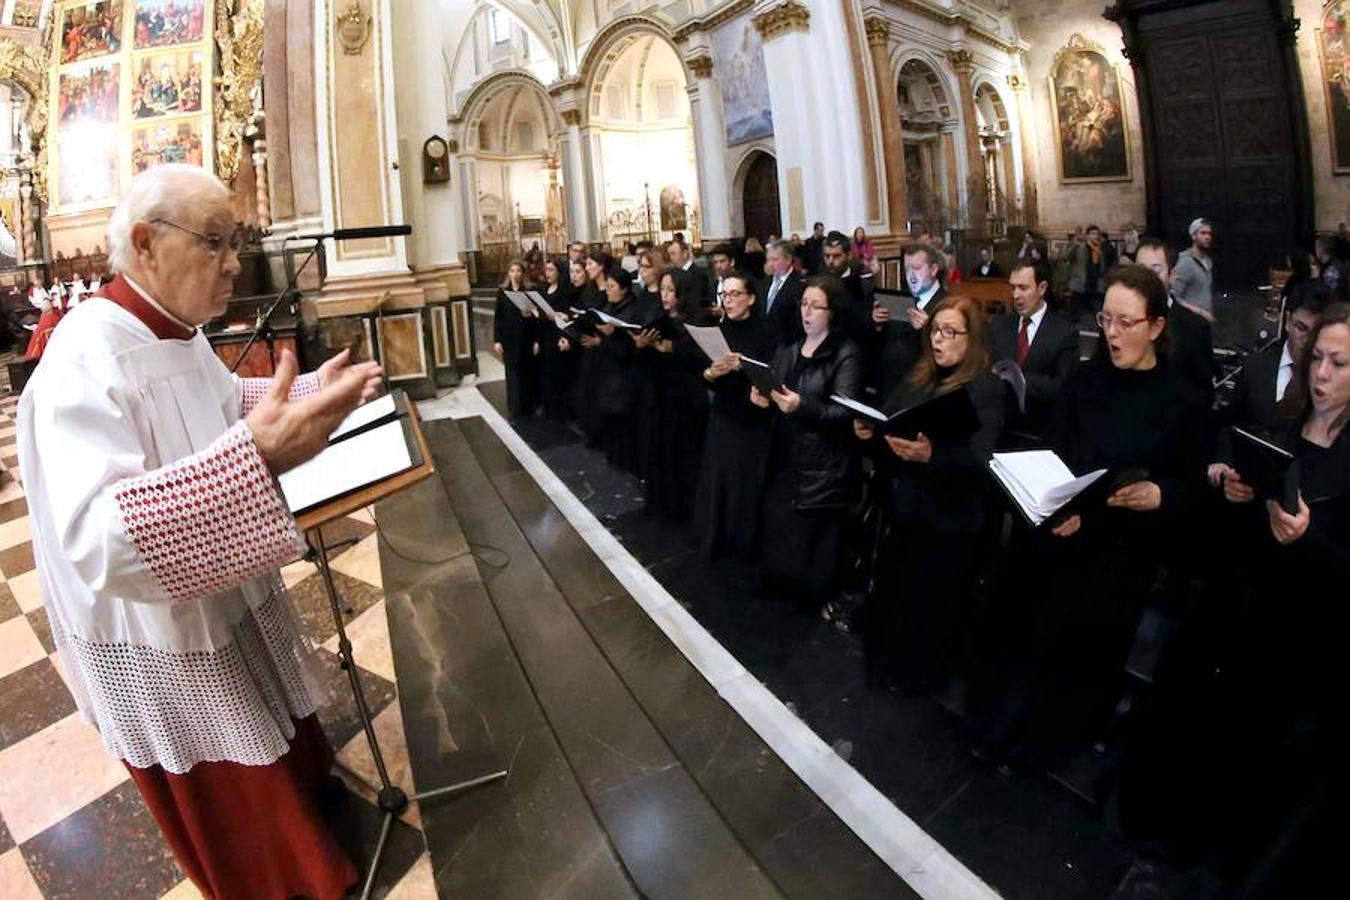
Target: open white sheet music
[(365, 413), (520, 300), (348, 466), (616, 321), (710, 340), (870, 412), (540, 302), (1039, 481)]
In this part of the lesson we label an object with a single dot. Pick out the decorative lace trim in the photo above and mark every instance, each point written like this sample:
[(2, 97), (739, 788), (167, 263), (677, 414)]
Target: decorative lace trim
[(254, 389), (210, 521)]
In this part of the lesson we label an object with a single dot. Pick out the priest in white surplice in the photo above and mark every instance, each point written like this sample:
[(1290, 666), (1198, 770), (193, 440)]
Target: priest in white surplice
[(158, 527)]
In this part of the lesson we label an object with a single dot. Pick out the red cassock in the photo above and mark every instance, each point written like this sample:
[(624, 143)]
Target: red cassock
[(46, 323)]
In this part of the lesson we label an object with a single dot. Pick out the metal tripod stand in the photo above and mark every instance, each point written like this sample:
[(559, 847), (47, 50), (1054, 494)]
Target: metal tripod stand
[(391, 800)]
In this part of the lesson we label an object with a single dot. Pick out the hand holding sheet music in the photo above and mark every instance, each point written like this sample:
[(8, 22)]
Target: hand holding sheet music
[(710, 340), (947, 417)]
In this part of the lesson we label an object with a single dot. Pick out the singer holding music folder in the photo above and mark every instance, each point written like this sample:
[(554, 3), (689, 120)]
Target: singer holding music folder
[(516, 333), (158, 527), (812, 469), (936, 499), (1079, 582)]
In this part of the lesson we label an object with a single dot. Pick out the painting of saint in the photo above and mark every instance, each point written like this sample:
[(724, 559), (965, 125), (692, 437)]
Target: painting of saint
[(1335, 48), (167, 142), (90, 29), (745, 83), (674, 209), (1089, 115), (168, 83), (87, 165), (162, 23), (88, 94)]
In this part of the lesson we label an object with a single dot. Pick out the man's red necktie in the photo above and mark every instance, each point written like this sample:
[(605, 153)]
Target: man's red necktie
[(1023, 344)]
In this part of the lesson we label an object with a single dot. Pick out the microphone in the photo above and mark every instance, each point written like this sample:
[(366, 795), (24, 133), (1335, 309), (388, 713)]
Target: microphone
[(357, 234)]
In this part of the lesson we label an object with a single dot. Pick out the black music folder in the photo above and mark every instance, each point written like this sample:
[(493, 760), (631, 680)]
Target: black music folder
[(1270, 469), (760, 375), (944, 417)]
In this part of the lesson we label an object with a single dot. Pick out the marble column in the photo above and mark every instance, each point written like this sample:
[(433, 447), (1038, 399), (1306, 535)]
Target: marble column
[(594, 194), (1026, 133), (292, 170), (580, 211), (892, 140), (963, 63), (709, 151)]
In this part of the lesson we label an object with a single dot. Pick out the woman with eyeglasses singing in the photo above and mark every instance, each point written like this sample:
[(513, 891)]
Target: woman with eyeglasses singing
[(936, 490), (1082, 581), (813, 466)]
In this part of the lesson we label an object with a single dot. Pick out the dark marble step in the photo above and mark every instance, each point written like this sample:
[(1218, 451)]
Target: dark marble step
[(468, 709), (802, 845), (672, 840)]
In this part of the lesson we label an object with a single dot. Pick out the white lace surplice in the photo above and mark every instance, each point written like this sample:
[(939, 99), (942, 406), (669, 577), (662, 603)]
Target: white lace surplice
[(157, 531)]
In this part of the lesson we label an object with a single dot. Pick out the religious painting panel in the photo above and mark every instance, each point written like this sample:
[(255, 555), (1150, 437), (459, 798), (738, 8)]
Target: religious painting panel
[(1088, 106), (173, 141), (88, 164), (168, 83), (88, 94), (739, 54), (1335, 51), (90, 29), (163, 23), (674, 209)]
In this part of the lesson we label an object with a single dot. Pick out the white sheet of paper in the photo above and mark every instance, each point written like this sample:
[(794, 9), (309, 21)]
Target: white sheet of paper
[(347, 466), (861, 408), (710, 340), (520, 300), (616, 321), (1039, 480), (540, 302), (365, 413)]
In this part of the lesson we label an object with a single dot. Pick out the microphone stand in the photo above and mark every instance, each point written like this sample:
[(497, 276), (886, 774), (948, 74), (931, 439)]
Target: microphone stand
[(265, 316)]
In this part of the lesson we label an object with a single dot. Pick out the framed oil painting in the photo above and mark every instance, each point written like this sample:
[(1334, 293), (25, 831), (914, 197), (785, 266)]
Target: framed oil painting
[(90, 29), (170, 141), (164, 23), (168, 83), (745, 85), (1087, 104), (88, 95), (1334, 46)]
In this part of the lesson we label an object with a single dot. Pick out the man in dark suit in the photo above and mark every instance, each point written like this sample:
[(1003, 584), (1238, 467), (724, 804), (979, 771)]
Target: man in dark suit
[(723, 265), (778, 297), (898, 342), (813, 249), (1267, 374), (1190, 340), (1043, 344), (987, 267), (856, 320)]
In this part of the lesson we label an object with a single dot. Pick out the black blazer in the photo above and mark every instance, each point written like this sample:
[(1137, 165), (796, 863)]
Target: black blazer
[(899, 348), (1052, 355), (1191, 350), (785, 319), (1253, 400)]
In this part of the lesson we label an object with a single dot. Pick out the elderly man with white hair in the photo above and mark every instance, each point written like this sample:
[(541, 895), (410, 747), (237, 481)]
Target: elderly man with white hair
[(1193, 277), (158, 527)]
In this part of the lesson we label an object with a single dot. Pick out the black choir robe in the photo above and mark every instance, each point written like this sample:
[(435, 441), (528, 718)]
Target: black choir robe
[(559, 367), (676, 421), (519, 335)]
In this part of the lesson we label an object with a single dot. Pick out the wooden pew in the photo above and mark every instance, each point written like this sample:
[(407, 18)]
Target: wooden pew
[(993, 294)]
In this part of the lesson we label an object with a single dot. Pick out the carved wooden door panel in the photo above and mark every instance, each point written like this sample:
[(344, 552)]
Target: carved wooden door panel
[(760, 199)]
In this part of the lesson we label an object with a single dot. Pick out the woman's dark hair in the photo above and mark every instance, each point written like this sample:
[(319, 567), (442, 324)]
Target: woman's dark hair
[(603, 260), (836, 295), (1144, 282), (562, 265), (688, 304), (1294, 409), (622, 276)]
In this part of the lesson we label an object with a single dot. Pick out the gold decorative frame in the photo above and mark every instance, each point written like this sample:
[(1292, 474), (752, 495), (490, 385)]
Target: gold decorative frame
[(27, 67), (1340, 156), (1079, 44), (239, 38)]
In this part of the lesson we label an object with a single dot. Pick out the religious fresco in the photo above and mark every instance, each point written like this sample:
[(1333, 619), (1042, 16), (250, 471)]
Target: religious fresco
[(89, 95), (167, 142), (739, 57), (1335, 51), (1089, 115), (90, 29), (168, 83), (87, 171), (163, 23)]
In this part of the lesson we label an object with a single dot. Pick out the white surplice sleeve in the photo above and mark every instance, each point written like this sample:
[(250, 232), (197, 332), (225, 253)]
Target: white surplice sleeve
[(251, 390), (181, 531)]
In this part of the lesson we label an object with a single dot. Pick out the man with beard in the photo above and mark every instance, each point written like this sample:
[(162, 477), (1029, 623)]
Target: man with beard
[(899, 340), (857, 284)]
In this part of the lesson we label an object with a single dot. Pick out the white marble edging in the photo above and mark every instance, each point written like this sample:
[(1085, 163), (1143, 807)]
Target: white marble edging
[(922, 862)]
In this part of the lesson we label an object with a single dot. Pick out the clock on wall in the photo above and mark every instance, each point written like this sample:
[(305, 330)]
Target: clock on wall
[(435, 160)]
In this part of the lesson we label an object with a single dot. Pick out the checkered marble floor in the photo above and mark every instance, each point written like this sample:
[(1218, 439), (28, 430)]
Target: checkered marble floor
[(71, 821)]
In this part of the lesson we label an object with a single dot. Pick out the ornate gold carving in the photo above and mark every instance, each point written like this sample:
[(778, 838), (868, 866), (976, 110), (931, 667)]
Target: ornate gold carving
[(963, 61), (1017, 82), (784, 18), (701, 65), (878, 31), (353, 29), (26, 15), (571, 116), (239, 38), (27, 67)]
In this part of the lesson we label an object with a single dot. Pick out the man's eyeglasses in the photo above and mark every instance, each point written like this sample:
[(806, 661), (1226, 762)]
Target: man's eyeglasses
[(1107, 321), (214, 242)]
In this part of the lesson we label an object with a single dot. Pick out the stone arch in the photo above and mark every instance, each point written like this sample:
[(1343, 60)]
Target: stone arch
[(471, 111), (748, 158), (610, 44)]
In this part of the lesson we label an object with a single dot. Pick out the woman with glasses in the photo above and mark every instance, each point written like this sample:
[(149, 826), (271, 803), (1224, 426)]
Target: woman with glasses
[(515, 341), (1241, 757), (936, 491), (677, 414), (813, 468), (650, 264), (732, 478), (1081, 580)]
